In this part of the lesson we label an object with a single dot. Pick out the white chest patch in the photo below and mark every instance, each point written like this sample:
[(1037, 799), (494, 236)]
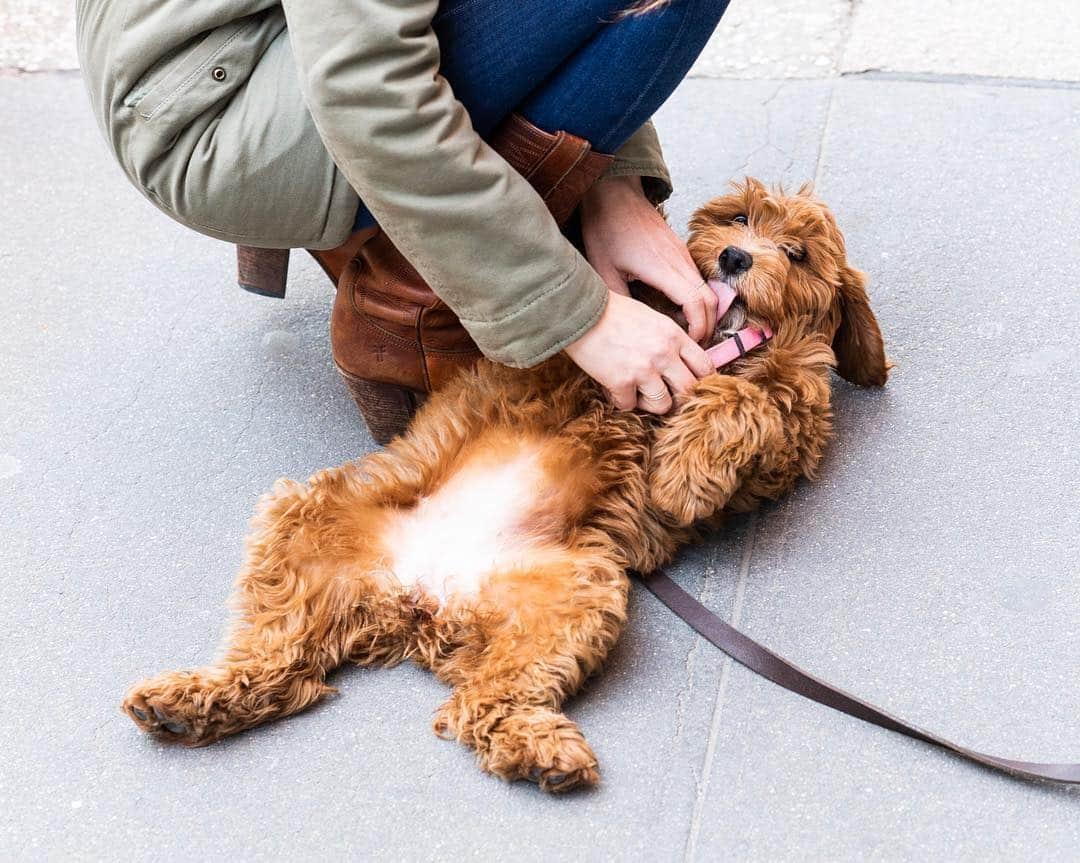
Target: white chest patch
[(449, 542)]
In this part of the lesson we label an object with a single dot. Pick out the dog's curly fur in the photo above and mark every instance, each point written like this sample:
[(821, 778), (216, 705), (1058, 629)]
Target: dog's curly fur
[(588, 493)]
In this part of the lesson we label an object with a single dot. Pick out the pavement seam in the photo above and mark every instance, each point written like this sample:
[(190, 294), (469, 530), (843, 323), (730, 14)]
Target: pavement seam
[(873, 74), (960, 78), (721, 691)]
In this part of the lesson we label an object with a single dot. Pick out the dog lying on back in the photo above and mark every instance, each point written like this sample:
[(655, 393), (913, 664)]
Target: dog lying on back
[(491, 543)]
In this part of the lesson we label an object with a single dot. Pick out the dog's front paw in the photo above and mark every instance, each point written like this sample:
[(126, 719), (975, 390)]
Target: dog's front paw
[(700, 453), (674, 491)]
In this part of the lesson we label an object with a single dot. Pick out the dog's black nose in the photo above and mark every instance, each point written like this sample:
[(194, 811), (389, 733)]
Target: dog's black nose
[(734, 260)]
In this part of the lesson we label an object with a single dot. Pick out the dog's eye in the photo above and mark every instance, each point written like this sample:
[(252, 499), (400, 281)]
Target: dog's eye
[(740, 220), (795, 254)]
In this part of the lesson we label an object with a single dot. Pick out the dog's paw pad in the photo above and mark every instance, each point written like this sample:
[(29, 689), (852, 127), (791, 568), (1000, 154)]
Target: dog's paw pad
[(177, 728), (168, 724), (156, 712), (557, 781)]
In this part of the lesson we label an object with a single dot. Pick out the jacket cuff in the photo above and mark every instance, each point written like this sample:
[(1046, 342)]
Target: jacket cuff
[(642, 156), (546, 323)]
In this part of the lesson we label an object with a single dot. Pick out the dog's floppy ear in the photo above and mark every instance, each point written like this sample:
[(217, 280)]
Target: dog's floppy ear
[(859, 348)]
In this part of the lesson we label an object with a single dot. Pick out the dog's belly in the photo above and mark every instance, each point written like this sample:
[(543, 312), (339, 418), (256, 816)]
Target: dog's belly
[(472, 526)]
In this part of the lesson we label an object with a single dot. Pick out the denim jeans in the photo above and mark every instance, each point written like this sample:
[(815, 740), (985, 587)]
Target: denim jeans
[(567, 64)]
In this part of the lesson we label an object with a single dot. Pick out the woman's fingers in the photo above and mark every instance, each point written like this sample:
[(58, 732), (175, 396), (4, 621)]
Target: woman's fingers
[(625, 237), (654, 396), (681, 283), (693, 306), (672, 374), (712, 308), (679, 378), (696, 359), (624, 396), (639, 356)]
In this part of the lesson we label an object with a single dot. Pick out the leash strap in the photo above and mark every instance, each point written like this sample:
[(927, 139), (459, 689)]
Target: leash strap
[(769, 665)]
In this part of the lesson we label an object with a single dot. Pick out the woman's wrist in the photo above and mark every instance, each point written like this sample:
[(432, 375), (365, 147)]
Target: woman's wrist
[(626, 239), (611, 190)]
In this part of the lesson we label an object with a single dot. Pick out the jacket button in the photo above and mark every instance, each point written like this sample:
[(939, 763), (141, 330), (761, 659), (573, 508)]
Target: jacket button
[(218, 73)]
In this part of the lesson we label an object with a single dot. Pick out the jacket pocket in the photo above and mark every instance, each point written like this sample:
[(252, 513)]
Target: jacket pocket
[(202, 73)]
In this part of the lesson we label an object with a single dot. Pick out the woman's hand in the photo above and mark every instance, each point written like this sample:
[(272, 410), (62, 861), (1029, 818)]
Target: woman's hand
[(626, 239), (639, 355)]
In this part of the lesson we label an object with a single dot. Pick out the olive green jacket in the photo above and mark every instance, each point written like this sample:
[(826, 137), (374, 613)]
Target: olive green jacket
[(258, 121)]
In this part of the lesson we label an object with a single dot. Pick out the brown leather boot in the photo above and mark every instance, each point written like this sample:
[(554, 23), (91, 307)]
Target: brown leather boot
[(560, 166), (393, 340)]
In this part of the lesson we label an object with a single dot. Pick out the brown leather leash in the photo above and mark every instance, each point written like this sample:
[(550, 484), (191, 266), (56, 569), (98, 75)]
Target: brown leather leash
[(769, 665)]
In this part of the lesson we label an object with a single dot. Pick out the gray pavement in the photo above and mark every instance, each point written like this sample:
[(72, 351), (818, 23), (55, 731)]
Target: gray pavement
[(757, 38), (1038, 39), (37, 35), (932, 568)]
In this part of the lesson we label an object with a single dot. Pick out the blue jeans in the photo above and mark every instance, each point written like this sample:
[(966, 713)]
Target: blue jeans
[(567, 64)]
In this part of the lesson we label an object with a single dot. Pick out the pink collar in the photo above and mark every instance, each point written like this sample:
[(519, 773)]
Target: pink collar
[(740, 343)]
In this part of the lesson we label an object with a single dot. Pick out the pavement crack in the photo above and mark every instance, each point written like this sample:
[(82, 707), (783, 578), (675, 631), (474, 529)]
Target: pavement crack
[(250, 421), (230, 450), (688, 663), (849, 28), (153, 372), (744, 169), (882, 73)]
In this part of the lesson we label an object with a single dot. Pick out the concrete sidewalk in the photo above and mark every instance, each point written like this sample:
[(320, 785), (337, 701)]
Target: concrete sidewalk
[(757, 38), (933, 568)]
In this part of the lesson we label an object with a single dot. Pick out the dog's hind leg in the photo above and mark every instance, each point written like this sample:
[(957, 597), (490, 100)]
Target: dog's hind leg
[(306, 601), (555, 622)]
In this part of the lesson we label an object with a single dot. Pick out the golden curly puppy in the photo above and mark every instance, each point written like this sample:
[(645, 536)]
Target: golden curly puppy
[(491, 544)]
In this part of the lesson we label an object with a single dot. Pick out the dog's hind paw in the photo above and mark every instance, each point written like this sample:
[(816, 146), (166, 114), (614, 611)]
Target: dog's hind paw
[(541, 746), (166, 707)]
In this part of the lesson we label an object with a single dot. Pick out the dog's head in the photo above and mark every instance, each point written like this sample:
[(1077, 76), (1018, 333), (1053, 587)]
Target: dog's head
[(784, 256)]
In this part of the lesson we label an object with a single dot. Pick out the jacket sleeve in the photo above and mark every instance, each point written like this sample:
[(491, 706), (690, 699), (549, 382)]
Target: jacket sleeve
[(471, 225), (641, 156)]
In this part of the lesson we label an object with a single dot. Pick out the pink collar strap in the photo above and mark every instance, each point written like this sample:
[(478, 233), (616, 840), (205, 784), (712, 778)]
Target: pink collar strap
[(740, 343)]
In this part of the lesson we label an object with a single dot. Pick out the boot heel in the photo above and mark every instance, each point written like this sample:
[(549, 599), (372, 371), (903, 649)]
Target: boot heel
[(262, 271), (387, 408)]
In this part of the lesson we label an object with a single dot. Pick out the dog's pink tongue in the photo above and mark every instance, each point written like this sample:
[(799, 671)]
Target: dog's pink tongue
[(724, 293)]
